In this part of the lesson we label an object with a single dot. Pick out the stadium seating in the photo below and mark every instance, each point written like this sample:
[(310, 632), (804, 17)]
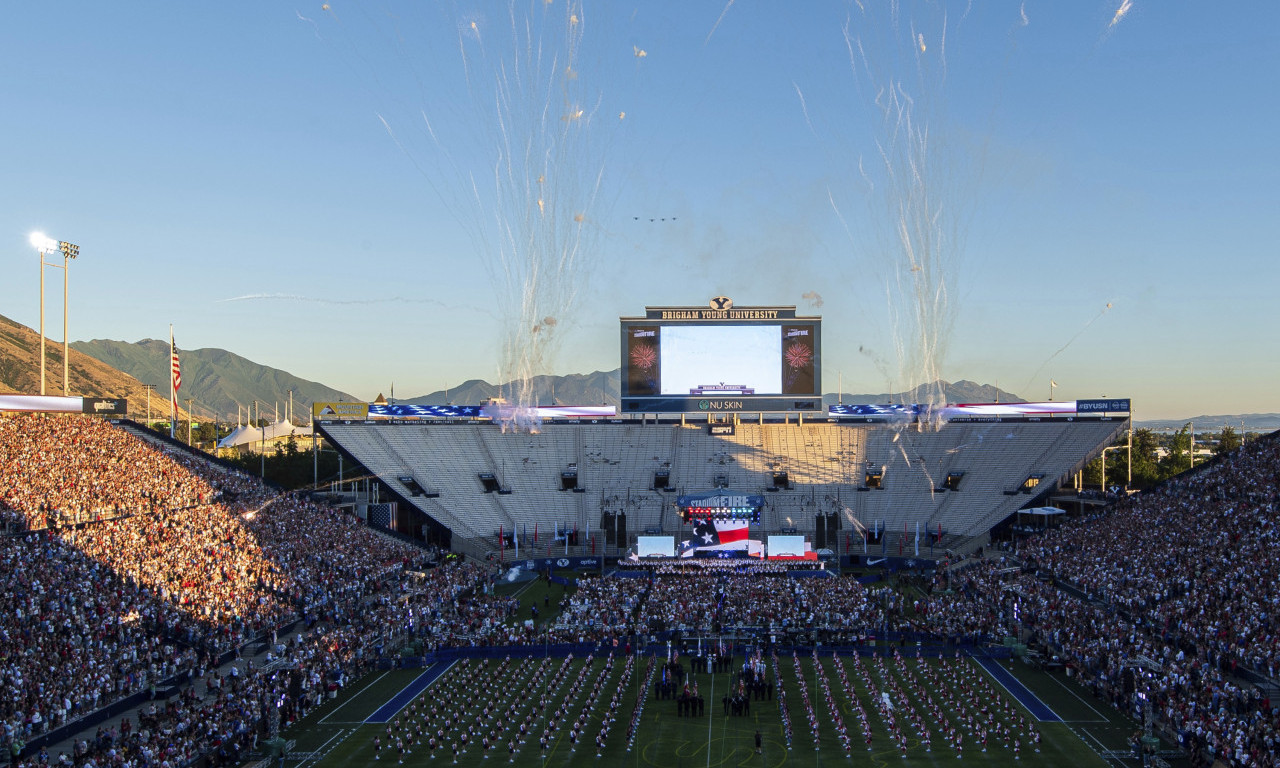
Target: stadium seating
[(826, 464), (165, 564)]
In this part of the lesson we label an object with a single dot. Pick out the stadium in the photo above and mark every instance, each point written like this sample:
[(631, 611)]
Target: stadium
[(716, 573)]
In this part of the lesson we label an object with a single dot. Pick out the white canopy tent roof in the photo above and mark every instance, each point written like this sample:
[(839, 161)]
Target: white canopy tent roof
[(249, 436), (1042, 511)]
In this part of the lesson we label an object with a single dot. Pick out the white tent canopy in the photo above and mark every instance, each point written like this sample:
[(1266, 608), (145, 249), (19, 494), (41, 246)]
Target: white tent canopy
[(1042, 511), (250, 436)]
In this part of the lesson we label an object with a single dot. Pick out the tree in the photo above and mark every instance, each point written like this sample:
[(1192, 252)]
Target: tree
[(1146, 466), (292, 467), (1228, 441), (1178, 459)]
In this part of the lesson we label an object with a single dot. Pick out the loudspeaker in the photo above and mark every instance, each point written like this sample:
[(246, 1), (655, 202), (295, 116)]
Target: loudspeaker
[(621, 520), (819, 532)]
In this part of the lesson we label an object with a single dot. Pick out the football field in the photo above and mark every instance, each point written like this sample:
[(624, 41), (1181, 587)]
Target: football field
[(838, 710)]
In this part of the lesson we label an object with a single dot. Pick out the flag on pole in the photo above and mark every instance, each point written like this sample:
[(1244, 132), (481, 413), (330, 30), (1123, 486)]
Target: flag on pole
[(175, 383), (502, 545), (917, 538)]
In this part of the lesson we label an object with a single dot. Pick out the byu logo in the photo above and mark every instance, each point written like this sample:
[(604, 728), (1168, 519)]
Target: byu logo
[(721, 302), (562, 563)]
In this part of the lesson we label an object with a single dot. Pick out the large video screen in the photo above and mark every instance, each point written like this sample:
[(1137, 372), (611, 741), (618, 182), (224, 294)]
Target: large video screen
[(720, 362)]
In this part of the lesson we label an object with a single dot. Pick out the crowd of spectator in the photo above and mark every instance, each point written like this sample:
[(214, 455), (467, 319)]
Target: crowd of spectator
[(64, 469), (131, 563), (1193, 559), (1166, 599)]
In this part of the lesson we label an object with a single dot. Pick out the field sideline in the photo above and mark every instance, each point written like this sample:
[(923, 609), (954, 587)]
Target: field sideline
[(341, 732)]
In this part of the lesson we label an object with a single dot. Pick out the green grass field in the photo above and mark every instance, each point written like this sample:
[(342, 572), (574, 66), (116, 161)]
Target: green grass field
[(337, 734)]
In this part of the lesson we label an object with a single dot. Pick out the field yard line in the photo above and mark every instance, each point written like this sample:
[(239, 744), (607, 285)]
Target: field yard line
[(711, 717), (353, 697), (524, 588), (1100, 750), (1064, 687), (322, 746)]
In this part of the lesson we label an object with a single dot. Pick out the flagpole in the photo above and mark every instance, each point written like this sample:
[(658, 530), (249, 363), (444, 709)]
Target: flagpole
[(173, 392)]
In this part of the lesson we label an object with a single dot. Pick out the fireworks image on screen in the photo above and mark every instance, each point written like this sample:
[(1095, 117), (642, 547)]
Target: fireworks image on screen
[(644, 356), (798, 355)]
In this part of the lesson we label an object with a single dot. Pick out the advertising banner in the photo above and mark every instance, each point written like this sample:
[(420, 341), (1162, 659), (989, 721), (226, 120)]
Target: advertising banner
[(42, 403), (1103, 406), (106, 406), (340, 411)]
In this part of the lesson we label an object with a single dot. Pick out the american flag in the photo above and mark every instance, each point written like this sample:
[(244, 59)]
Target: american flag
[(716, 535), (175, 370)]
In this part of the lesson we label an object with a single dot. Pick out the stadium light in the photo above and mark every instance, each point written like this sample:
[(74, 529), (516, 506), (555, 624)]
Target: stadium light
[(44, 245)]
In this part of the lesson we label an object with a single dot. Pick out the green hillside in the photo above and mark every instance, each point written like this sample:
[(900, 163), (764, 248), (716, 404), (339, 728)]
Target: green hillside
[(219, 381)]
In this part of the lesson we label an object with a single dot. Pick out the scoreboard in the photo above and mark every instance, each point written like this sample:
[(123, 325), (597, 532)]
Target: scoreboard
[(721, 359)]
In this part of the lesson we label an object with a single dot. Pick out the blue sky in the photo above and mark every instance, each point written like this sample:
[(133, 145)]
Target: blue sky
[(204, 153)]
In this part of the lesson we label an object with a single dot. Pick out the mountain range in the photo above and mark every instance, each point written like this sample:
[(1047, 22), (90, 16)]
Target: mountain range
[(604, 388), (223, 383), (87, 376), (219, 382), (1240, 422)]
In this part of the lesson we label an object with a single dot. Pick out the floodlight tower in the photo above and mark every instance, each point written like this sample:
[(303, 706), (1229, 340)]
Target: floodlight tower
[(69, 251)]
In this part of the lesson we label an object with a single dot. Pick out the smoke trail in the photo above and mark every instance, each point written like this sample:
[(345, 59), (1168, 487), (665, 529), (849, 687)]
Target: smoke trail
[(512, 137), (804, 108), (349, 302), (716, 26), (1070, 341), (1121, 12), (918, 182), (314, 27)]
